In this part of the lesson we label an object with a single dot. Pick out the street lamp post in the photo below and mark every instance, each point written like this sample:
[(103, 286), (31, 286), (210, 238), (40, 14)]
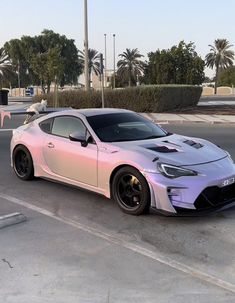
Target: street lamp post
[(102, 78), (18, 74), (87, 84), (105, 62), (114, 63), (56, 92)]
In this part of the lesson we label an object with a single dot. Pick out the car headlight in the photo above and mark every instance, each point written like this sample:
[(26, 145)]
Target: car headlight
[(229, 156), (171, 171)]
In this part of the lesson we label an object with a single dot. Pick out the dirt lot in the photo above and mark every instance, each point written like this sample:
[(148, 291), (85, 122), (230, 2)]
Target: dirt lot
[(208, 110)]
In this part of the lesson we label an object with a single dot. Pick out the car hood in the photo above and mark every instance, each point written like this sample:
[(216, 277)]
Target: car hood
[(173, 149)]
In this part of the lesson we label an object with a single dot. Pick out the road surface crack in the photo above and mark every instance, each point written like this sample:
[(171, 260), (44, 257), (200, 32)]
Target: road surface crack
[(9, 264)]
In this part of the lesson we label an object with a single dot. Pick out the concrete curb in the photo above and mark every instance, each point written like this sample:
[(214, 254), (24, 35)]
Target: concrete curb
[(187, 119), (192, 122), (11, 219)]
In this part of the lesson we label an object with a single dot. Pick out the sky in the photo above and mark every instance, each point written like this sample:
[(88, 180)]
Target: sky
[(147, 25)]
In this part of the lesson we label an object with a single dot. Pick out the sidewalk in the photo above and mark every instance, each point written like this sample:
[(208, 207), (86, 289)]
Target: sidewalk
[(157, 117), (14, 106), (187, 118)]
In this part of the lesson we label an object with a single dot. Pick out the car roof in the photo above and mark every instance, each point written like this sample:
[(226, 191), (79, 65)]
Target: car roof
[(88, 112)]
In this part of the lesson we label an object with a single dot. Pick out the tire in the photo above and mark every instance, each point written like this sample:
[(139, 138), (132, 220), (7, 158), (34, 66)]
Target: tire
[(23, 163), (131, 191)]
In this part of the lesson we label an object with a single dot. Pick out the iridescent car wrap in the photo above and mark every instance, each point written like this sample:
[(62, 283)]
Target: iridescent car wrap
[(184, 174)]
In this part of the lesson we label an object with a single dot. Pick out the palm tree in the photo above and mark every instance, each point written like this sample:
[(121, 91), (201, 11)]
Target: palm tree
[(130, 66), (5, 66), (220, 57), (93, 62)]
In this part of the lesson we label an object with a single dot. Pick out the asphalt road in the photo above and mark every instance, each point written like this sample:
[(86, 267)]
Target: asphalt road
[(159, 259), (220, 134)]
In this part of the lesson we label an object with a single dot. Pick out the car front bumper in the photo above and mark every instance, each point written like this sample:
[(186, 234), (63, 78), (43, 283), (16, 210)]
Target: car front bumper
[(212, 188)]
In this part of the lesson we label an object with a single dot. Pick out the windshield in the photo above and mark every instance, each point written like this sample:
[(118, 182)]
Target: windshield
[(124, 127)]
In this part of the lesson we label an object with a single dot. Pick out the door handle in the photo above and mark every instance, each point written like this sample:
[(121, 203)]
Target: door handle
[(50, 145)]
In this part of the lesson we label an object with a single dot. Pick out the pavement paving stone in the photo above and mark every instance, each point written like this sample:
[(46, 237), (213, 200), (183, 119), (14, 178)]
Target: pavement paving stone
[(209, 118), (193, 118), (166, 117), (226, 118)]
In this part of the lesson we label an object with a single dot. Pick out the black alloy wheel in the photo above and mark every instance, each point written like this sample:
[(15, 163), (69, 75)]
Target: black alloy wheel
[(22, 163), (131, 191)]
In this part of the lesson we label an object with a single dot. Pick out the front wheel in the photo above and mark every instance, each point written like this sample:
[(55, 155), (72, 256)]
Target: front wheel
[(131, 191), (23, 163)]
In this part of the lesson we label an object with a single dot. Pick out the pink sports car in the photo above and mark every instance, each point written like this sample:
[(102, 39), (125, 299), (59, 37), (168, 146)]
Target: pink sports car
[(122, 155)]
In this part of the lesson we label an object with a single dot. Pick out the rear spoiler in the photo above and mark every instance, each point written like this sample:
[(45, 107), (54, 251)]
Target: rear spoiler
[(8, 114)]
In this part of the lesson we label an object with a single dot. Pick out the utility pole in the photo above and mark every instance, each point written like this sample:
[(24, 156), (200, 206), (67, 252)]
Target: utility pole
[(18, 74), (56, 92), (114, 63), (86, 70), (105, 62), (102, 78)]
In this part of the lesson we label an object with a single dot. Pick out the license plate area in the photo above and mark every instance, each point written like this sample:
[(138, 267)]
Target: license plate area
[(228, 182)]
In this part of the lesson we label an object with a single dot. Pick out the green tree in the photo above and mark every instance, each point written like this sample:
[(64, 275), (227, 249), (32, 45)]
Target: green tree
[(178, 65), (130, 66), (5, 67), (49, 66), (68, 51), (93, 62), (220, 57), (48, 47), (227, 76), (21, 52), (15, 52), (189, 66), (160, 68)]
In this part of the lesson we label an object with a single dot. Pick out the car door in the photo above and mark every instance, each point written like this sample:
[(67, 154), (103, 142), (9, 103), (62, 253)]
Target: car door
[(68, 158)]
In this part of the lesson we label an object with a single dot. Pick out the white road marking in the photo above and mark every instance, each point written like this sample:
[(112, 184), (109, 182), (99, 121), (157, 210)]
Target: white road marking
[(131, 246)]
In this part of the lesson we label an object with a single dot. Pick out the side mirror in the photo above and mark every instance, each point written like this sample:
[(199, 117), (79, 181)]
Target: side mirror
[(78, 137)]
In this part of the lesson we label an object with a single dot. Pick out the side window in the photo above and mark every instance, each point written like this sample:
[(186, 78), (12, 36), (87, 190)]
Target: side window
[(65, 125), (46, 125)]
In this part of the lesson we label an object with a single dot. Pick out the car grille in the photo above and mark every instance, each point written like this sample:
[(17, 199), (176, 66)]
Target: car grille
[(214, 196)]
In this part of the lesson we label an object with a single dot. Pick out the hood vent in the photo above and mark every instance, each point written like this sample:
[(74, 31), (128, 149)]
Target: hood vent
[(173, 143), (163, 149), (193, 144)]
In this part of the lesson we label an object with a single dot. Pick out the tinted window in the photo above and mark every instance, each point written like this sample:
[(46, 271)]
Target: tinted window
[(124, 127), (65, 125), (46, 125)]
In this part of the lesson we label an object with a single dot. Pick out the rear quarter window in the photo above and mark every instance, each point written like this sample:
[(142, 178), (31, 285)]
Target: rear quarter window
[(46, 125)]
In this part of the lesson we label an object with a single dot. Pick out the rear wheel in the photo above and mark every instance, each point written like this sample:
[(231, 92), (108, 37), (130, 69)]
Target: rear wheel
[(131, 191), (23, 163)]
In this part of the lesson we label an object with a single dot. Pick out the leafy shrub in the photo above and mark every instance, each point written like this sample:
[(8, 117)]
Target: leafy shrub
[(149, 98)]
